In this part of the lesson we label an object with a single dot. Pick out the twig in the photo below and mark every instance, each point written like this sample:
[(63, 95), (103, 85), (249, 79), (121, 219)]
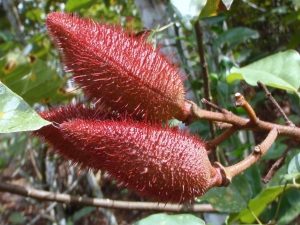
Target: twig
[(212, 144), (205, 77), (278, 163), (13, 18), (51, 206), (105, 203), (240, 123), (240, 101), (38, 174), (212, 105), (259, 151), (270, 97), (98, 193)]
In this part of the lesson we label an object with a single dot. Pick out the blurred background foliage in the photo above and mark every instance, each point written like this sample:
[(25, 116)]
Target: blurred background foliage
[(248, 31)]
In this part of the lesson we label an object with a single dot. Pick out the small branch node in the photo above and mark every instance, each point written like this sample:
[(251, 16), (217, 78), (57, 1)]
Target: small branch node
[(257, 149), (226, 179)]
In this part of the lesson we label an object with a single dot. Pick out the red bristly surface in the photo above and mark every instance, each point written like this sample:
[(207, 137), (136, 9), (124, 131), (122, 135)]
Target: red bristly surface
[(115, 67), (55, 136), (161, 163)]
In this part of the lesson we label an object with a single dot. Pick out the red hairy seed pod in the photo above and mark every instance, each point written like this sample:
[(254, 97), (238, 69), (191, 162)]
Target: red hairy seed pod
[(163, 164), (55, 136), (115, 67)]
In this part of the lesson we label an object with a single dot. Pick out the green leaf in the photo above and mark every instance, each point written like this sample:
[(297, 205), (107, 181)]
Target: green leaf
[(258, 204), (290, 206), (36, 15), (233, 198), (213, 7), (188, 10), (32, 79), (234, 36), (293, 168), (74, 5), (164, 219), (281, 70), (16, 114), (252, 174), (16, 218)]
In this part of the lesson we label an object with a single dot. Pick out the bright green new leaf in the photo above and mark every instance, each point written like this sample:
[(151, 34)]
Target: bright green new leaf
[(164, 219), (16, 114), (258, 204), (233, 198), (281, 70), (74, 5)]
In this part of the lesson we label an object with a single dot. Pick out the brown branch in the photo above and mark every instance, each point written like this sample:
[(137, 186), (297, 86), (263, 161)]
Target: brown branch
[(270, 97), (212, 144), (259, 151), (205, 77), (203, 63), (212, 105), (240, 123), (104, 203)]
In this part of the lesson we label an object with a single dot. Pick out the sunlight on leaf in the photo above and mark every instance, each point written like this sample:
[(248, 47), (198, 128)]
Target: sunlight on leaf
[(191, 10), (76, 5), (281, 70), (164, 219), (188, 10), (16, 114), (258, 204)]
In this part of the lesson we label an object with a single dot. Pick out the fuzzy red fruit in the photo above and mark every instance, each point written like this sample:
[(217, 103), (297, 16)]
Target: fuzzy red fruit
[(163, 164), (117, 68), (53, 135)]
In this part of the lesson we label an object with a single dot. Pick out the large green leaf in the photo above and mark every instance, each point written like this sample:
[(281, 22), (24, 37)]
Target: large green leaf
[(233, 198), (164, 219), (281, 70), (31, 78), (258, 204), (16, 114)]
